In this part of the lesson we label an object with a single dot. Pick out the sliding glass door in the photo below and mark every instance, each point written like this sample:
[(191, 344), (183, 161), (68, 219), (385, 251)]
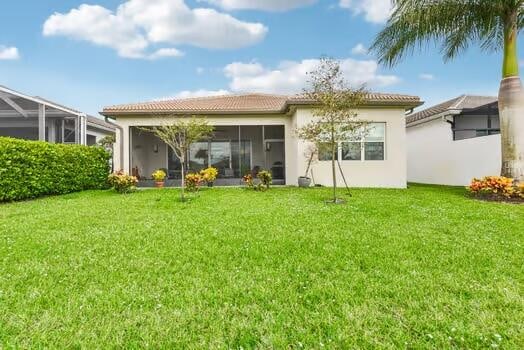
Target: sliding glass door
[(241, 153), (198, 156), (231, 158), (220, 157), (236, 151)]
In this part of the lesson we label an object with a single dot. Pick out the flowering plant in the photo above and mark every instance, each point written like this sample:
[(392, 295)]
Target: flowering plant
[(496, 186), (265, 178), (248, 180), (159, 175), (122, 182), (209, 175), (520, 190), (193, 182)]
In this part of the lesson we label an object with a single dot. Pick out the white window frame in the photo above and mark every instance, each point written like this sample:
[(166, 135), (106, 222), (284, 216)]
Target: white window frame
[(362, 147)]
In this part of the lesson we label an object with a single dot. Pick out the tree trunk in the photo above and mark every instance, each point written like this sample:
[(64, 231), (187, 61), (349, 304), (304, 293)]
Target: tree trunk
[(309, 163), (511, 112), (333, 168), (182, 161), (511, 109)]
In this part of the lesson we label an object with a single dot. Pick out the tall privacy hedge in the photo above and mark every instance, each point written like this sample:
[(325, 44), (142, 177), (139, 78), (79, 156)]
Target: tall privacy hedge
[(29, 169)]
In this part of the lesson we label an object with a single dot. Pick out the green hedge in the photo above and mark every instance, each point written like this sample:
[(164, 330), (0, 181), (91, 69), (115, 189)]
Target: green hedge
[(29, 169)]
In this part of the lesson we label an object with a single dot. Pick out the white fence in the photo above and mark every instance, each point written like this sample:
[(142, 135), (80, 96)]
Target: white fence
[(434, 158)]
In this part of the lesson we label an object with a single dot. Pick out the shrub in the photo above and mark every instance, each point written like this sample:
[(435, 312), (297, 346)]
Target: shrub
[(496, 187), (264, 181), (520, 190), (209, 175), (30, 169), (265, 178), (248, 180), (159, 175), (193, 182), (122, 182)]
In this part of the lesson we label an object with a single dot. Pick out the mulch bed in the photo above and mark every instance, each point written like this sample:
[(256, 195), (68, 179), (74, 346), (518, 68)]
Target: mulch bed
[(500, 199)]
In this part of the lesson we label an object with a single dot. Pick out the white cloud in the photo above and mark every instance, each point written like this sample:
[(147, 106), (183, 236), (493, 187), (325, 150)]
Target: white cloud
[(291, 76), (199, 93), (360, 49), (9, 53), (166, 52), (375, 11), (426, 76), (101, 27), (265, 5), (243, 69), (200, 70), (137, 24)]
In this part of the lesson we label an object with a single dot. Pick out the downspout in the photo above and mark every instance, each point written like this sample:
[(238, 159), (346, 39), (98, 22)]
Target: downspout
[(120, 144), (452, 123)]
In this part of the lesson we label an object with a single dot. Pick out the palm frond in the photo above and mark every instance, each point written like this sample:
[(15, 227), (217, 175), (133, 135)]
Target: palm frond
[(454, 25)]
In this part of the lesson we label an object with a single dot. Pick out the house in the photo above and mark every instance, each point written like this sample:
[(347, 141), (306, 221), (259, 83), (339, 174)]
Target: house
[(258, 131), (35, 118), (455, 141)]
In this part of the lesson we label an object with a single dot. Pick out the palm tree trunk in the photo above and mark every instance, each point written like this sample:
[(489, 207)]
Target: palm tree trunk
[(511, 108)]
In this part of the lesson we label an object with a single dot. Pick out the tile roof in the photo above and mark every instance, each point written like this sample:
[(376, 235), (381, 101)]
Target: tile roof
[(246, 103), (458, 104), (94, 121)]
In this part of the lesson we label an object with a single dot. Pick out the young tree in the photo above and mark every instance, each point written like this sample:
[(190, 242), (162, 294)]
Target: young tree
[(179, 135), (335, 117), (107, 142), (494, 25)]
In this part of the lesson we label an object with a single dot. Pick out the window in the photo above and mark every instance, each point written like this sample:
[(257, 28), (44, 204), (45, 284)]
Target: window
[(352, 150), (374, 142), (324, 152), (374, 151), (371, 146)]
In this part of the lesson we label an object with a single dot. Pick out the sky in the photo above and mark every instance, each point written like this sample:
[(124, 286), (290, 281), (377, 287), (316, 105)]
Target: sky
[(94, 53)]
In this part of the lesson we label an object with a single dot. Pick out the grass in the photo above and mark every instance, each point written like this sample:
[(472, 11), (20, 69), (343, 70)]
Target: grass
[(418, 268)]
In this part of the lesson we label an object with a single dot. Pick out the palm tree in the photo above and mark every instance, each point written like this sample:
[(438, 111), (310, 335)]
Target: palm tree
[(456, 24)]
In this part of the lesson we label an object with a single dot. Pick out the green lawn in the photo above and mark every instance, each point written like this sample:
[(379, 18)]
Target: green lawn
[(418, 268)]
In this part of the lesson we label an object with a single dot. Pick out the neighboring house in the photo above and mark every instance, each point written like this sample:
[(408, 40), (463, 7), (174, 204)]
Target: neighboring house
[(258, 131), (35, 118), (455, 141)]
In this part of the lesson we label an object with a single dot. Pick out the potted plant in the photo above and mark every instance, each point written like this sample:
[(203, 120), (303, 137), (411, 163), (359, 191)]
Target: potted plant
[(159, 176), (305, 181), (209, 175)]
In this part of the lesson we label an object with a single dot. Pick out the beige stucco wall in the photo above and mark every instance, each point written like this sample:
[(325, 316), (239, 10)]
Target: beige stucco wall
[(388, 173)]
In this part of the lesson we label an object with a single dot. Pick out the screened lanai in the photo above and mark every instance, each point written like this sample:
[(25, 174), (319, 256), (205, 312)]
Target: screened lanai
[(234, 150), (35, 118)]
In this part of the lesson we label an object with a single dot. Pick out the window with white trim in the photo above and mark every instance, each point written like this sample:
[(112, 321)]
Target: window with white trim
[(369, 146)]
